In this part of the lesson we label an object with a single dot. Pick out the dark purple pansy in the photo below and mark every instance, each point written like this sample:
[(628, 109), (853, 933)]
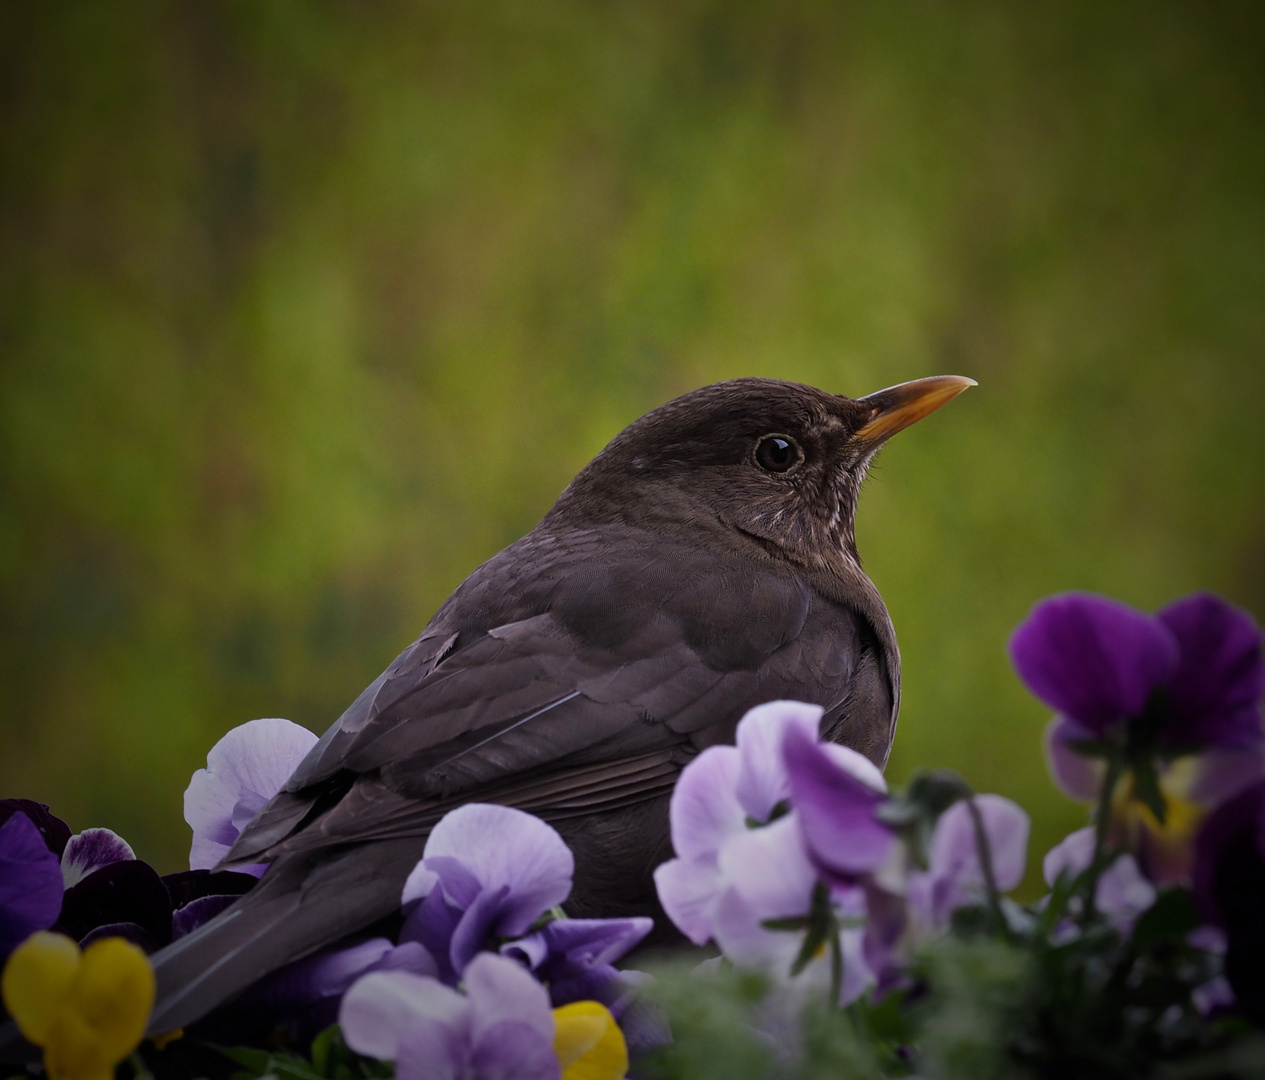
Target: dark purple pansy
[(127, 896), (1229, 888), (197, 896), (56, 833), (30, 883), (1194, 669)]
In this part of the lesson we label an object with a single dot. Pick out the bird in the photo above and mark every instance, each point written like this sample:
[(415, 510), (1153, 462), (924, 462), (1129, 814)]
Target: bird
[(702, 563)]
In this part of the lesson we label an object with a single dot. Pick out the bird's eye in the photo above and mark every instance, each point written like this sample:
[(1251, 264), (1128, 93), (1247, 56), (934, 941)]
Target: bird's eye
[(778, 453)]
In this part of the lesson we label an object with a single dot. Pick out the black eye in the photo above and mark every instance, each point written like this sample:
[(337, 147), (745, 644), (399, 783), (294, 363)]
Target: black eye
[(778, 453)]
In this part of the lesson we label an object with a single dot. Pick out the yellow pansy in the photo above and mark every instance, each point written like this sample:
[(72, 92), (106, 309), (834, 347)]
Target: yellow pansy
[(88, 1009), (588, 1042)]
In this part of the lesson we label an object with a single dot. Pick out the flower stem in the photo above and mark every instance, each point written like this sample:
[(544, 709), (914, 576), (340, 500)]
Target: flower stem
[(1115, 767), (985, 852)]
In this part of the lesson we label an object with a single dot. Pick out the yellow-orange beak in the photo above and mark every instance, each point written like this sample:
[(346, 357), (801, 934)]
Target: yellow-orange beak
[(895, 408)]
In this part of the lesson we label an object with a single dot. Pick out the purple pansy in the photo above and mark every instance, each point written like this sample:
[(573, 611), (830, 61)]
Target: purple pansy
[(1229, 889), (245, 769), (486, 872), (1123, 891), (30, 883), (575, 958), (89, 851), (1100, 664), (502, 1027), (721, 794)]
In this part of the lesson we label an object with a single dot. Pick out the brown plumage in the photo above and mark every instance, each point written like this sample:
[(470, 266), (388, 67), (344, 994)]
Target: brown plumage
[(702, 563)]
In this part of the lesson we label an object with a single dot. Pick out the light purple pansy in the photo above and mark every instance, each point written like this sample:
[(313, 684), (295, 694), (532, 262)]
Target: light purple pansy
[(30, 883), (1122, 892), (1098, 663), (501, 1027), (245, 769), (486, 872), (721, 794), (955, 874)]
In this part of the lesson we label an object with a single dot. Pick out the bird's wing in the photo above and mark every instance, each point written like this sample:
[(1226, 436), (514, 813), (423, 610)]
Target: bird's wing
[(587, 683)]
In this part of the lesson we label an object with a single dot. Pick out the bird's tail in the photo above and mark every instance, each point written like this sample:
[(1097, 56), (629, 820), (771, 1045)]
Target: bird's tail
[(303, 903)]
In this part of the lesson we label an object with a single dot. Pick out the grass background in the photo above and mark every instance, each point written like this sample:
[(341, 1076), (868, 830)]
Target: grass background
[(308, 308)]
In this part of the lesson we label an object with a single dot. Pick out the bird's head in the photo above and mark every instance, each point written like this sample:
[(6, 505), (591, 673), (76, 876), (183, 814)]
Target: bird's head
[(778, 463)]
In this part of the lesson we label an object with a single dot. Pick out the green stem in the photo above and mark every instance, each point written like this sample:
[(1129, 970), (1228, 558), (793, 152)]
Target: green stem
[(985, 851), (1115, 768)]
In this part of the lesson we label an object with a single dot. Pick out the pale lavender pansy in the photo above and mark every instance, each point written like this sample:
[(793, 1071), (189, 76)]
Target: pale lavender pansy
[(575, 958), (1122, 892), (245, 769), (720, 796), (501, 1027), (954, 876), (486, 872)]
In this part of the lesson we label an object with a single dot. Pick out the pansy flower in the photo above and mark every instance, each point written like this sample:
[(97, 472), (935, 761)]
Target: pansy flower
[(244, 770), (1137, 695), (30, 883)]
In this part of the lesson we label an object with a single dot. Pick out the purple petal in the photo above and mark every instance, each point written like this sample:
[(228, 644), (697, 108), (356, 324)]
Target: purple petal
[(1221, 773), (506, 848), (955, 874), (383, 1005), (762, 782), (512, 1050), (1122, 893), (128, 891), (770, 869), (195, 913), (89, 851), (704, 809), (245, 769), (835, 803), (30, 883), (1078, 776), (501, 990), (430, 1050), (478, 924), (1093, 659), (56, 833), (1215, 694), (432, 923), (186, 886), (579, 942), (743, 938), (689, 892), (418, 886)]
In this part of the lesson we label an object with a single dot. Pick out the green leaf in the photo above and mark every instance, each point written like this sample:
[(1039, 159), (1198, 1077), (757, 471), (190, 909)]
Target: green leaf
[(1173, 915)]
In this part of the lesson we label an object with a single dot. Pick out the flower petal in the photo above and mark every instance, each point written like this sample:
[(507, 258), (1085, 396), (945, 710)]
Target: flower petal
[(512, 1050), (762, 782), (1093, 659), (689, 892), (501, 990), (704, 809), (588, 1042), (113, 991), (89, 851), (128, 891), (504, 847), (245, 769), (380, 1007), (770, 869), (835, 804), (431, 1050), (1215, 693), (1079, 777), (56, 833), (36, 981), (955, 870), (30, 883)]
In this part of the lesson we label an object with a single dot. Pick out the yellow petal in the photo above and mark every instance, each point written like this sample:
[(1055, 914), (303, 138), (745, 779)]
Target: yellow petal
[(75, 1050), (588, 1042), (113, 993), (36, 982)]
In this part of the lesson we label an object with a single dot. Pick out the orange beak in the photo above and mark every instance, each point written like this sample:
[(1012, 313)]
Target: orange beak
[(895, 408)]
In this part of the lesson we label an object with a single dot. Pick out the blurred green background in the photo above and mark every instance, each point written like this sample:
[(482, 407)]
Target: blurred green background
[(306, 309)]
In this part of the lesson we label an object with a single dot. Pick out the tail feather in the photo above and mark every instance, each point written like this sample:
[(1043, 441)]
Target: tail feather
[(303, 903)]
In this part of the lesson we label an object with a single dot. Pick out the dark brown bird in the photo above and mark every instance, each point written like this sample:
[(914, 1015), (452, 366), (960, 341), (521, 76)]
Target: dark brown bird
[(703, 563)]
